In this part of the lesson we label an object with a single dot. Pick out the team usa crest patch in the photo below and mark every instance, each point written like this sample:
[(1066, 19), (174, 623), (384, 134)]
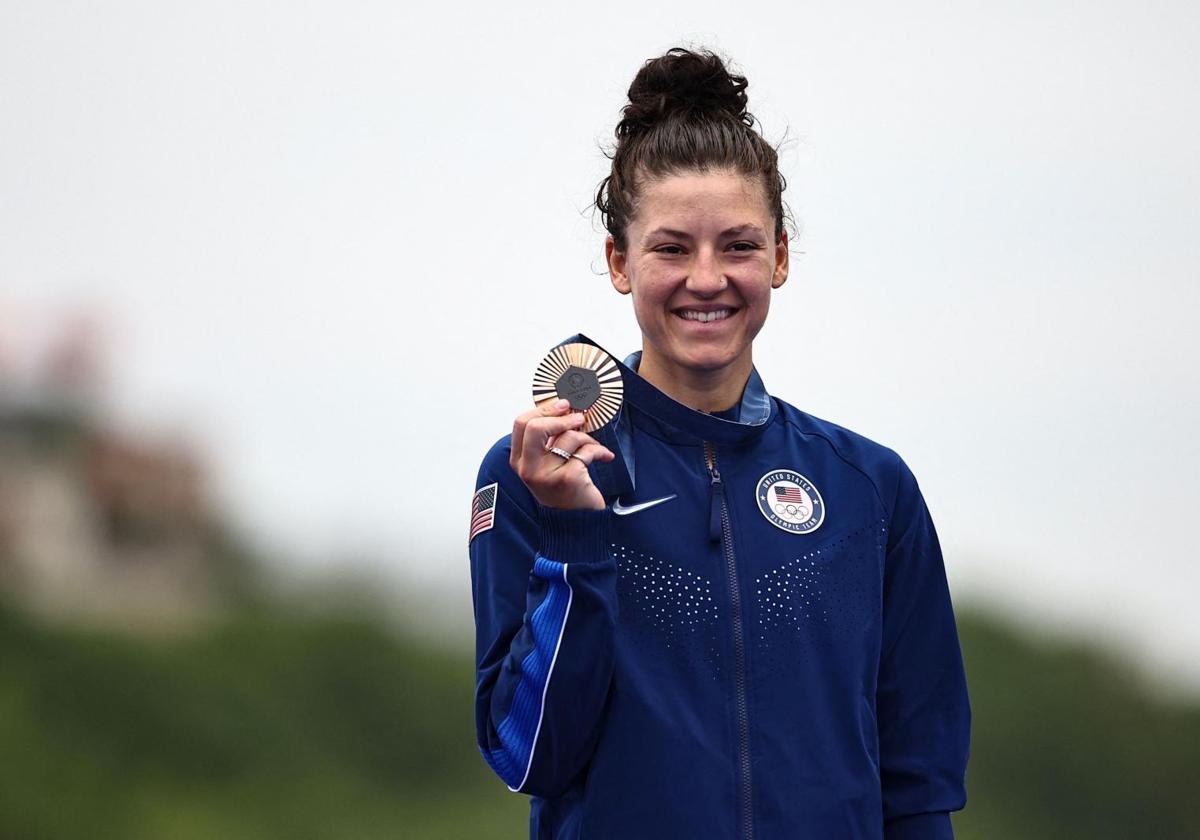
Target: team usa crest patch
[(790, 501), (483, 510)]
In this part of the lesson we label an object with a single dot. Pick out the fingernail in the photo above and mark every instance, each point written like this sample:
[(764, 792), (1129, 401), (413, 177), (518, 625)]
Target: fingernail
[(559, 405)]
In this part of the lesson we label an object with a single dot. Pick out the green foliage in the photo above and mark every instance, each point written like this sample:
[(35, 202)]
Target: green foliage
[(272, 726), (1066, 743), (277, 725)]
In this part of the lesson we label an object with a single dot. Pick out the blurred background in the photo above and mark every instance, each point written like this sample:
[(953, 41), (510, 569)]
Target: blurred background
[(273, 277)]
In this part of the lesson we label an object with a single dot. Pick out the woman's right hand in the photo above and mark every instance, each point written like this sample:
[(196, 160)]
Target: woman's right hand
[(555, 481)]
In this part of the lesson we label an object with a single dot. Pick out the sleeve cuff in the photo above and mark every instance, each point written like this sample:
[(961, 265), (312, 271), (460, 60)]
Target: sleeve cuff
[(919, 827), (573, 536)]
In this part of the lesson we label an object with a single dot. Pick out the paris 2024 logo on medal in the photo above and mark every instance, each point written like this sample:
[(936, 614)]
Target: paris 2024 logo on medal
[(790, 502)]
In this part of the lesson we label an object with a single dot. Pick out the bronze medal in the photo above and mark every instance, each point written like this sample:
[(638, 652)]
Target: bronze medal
[(586, 377)]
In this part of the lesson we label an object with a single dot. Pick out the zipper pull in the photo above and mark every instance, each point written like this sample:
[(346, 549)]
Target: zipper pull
[(714, 516), (716, 503)]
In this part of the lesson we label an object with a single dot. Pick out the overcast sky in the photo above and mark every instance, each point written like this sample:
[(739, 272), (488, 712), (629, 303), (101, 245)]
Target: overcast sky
[(332, 240)]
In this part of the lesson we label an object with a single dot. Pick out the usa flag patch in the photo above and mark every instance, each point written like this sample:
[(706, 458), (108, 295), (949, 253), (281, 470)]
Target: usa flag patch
[(483, 510)]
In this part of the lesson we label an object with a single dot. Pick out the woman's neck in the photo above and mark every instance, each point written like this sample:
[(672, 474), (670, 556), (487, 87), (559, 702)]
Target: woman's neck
[(702, 390)]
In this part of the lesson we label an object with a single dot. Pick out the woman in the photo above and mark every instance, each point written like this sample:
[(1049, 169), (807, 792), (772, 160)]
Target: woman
[(718, 616)]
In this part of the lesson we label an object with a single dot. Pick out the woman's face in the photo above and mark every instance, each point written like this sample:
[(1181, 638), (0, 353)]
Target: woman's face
[(700, 262)]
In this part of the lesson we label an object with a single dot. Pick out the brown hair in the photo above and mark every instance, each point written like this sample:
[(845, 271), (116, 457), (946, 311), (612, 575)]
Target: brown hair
[(686, 112)]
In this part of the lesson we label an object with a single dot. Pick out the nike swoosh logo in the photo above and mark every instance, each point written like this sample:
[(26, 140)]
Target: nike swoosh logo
[(620, 510)]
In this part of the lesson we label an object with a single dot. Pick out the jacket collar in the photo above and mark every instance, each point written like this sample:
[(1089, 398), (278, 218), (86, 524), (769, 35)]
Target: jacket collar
[(677, 421), (754, 410)]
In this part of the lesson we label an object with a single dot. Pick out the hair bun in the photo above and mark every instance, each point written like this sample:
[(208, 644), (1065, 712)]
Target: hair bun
[(684, 82)]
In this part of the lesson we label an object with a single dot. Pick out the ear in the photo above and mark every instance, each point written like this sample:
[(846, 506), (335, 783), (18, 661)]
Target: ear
[(781, 261), (616, 266)]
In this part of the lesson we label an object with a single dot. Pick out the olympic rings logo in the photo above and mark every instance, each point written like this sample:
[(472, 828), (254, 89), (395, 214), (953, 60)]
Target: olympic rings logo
[(799, 512)]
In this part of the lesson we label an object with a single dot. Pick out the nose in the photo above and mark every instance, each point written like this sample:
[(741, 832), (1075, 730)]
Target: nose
[(706, 277)]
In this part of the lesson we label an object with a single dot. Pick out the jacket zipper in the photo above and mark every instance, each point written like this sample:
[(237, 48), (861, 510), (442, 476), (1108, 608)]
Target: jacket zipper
[(719, 530)]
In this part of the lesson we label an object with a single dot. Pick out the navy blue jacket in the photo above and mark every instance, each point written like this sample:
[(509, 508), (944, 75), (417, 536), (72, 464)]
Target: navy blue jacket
[(767, 651)]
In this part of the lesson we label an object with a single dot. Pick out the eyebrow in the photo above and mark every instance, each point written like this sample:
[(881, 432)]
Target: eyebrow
[(679, 234)]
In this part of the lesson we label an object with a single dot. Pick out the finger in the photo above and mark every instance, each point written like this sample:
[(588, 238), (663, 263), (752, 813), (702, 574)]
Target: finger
[(536, 442), (544, 409), (549, 407), (540, 431), (592, 452), (572, 440)]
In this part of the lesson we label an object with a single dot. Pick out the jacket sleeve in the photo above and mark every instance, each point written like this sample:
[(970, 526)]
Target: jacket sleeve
[(544, 590), (921, 705)]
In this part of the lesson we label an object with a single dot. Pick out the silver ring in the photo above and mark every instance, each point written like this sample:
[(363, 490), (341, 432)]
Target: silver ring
[(562, 453)]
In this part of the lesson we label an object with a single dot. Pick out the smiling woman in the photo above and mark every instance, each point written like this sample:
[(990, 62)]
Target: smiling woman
[(748, 633), (700, 269)]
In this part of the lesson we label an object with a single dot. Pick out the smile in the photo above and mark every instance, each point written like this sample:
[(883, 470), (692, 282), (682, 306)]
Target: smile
[(704, 317)]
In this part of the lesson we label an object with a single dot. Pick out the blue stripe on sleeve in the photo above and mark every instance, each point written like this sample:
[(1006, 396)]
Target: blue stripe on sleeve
[(518, 731)]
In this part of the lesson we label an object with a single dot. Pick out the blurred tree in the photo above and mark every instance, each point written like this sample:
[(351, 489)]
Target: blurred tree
[(277, 725)]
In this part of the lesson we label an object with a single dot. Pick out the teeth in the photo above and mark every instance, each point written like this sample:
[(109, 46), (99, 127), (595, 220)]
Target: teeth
[(704, 317)]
